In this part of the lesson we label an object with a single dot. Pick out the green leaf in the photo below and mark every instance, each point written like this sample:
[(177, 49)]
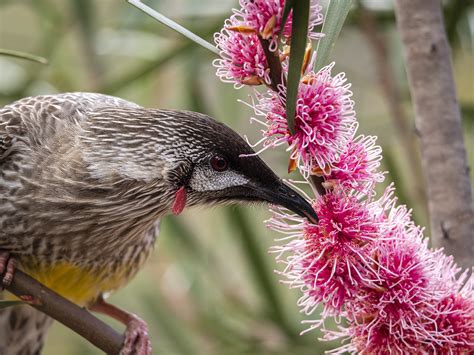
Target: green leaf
[(299, 36), (174, 26), (262, 272), (335, 16), (286, 12), (5, 304), (23, 55), (179, 338)]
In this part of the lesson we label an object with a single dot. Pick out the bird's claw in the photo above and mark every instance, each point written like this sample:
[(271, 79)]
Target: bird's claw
[(137, 340), (7, 268)]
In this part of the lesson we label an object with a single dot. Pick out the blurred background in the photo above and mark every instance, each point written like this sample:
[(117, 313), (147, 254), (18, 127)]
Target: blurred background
[(210, 287)]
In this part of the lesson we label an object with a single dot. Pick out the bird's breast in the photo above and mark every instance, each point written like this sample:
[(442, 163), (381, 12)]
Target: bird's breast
[(83, 280), (83, 284), (80, 285)]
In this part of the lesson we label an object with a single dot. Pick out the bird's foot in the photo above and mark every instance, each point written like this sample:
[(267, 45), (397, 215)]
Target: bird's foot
[(7, 268), (137, 340)]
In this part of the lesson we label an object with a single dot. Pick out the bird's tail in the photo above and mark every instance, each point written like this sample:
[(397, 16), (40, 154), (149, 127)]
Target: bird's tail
[(22, 330)]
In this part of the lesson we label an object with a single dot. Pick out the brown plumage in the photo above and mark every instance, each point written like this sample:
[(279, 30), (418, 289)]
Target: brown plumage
[(84, 179)]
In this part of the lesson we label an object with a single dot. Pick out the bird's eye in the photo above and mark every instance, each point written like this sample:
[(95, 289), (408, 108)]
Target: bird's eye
[(219, 163)]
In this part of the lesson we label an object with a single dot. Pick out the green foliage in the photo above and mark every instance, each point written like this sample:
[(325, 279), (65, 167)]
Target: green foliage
[(335, 16), (174, 26), (286, 12), (299, 34), (23, 55)]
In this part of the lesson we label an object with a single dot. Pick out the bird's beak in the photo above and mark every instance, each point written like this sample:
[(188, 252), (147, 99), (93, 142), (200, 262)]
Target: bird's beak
[(285, 196)]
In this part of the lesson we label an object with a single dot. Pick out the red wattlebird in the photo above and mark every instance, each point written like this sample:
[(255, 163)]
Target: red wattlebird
[(84, 179)]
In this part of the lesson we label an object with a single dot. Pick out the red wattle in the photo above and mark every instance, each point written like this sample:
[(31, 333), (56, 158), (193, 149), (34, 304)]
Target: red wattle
[(179, 201)]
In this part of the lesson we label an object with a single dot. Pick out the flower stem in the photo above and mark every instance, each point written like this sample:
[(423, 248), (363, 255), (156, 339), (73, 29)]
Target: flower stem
[(274, 65)]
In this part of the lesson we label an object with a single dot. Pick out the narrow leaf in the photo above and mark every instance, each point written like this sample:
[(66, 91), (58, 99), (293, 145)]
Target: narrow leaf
[(286, 12), (173, 25), (335, 16), (5, 304), (299, 36), (23, 55), (261, 271)]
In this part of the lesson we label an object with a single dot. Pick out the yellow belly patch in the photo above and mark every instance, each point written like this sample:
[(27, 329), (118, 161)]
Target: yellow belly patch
[(79, 285)]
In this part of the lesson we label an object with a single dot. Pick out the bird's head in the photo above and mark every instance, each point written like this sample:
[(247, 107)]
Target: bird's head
[(186, 157), (213, 164)]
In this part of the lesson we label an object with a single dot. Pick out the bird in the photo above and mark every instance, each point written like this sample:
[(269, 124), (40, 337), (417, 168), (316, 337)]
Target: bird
[(85, 179)]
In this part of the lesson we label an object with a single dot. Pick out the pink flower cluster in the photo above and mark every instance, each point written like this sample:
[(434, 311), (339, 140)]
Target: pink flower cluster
[(357, 167), (266, 17), (327, 261), (242, 59), (325, 121), (402, 314), (365, 261)]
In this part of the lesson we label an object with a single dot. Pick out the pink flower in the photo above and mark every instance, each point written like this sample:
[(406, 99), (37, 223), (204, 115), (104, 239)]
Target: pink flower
[(452, 312), (324, 121), (416, 322), (453, 325), (265, 18), (331, 261), (389, 318), (242, 58), (415, 306), (357, 167), (367, 261)]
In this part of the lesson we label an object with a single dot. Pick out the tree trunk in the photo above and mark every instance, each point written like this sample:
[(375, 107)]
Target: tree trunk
[(438, 120)]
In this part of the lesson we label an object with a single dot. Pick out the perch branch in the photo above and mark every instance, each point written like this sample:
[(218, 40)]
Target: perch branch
[(438, 119), (72, 316)]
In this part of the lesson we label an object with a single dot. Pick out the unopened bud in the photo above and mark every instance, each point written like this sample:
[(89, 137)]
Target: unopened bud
[(307, 56), (329, 184), (251, 80), (284, 53), (291, 165), (241, 29), (268, 29), (316, 170), (308, 78), (378, 288), (365, 318)]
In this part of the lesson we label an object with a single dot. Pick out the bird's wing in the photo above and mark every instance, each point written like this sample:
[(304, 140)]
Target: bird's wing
[(33, 120)]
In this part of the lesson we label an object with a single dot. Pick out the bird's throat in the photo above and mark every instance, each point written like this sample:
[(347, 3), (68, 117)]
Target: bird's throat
[(179, 201)]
